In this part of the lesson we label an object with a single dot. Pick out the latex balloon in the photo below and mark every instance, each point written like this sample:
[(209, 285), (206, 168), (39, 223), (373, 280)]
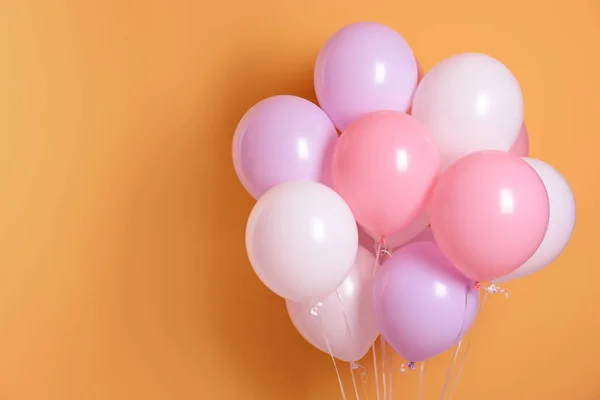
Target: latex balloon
[(364, 67), (283, 138), (489, 214), (520, 147), (385, 166), (560, 225), (423, 306), (469, 102), (403, 237), (345, 318), (301, 240)]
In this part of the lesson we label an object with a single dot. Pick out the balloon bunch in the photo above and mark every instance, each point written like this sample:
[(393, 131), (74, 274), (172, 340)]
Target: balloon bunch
[(434, 168)]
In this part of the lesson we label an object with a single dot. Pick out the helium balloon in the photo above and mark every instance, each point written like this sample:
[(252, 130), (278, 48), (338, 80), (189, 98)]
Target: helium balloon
[(301, 240), (283, 138), (489, 214), (364, 67), (560, 225), (423, 306), (385, 166), (345, 318), (469, 102)]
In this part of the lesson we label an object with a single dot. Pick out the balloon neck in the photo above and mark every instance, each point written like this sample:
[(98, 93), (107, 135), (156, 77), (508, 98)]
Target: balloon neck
[(381, 248), (354, 365), (409, 366), (491, 289), (314, 310)]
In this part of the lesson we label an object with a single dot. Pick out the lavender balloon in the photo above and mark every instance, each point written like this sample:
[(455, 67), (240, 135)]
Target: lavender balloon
[(364, 67), (422, 305), (280, 139)]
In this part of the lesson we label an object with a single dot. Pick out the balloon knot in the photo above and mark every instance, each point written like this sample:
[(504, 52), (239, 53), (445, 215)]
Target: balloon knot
[(410, 366), (492, 289)]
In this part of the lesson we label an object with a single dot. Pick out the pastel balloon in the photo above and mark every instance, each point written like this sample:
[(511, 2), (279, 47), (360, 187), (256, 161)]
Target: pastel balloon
[(520, 147), (345, 318), (385, 166), (301, 240), (489, 214), (407, 234), (423, 306), (364, 67), (560, 225), (469, 102), (283, 138)]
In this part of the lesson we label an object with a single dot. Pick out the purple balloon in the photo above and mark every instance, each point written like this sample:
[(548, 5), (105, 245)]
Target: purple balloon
[(422, 305), (280, 139), (364, 67)]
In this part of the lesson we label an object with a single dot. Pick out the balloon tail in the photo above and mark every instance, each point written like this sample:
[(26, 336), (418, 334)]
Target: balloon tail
[(421, 376), (383, 373), (409, 366), (449, 373), (464, 357), (315, 311), (492, 289), (376, 371)]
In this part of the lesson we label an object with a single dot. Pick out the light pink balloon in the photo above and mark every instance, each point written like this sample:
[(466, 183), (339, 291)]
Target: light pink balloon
[(520, 147), (489, 214), (283, 138), (560, 226), (301, 240), (345, 316), (364, 67), (385, 166)]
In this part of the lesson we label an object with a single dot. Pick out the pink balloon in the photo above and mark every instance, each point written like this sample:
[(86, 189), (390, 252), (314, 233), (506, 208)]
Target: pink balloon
[(423, 306), (346, 316), (385, 166), (364, 67), (520, 147), (283, 138), (489, 214)]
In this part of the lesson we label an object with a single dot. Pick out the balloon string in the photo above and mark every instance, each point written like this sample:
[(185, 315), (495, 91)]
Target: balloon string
[(391, 372), (383, 372), (315, 311), (449, 373), (464, 357), (339, 297), (374, 347), (352, 368), (421, 375)]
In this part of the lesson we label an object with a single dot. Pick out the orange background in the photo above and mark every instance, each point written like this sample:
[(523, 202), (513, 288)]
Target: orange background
[(123, 273)]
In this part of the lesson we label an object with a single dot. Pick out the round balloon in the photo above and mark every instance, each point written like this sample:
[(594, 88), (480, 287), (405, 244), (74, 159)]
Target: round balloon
[(560, 225), (469, 102), (283, 138), (423, 306), (364, 67), (345, 318), (489, 214), (385, 166), (301, 240), (520, 147)]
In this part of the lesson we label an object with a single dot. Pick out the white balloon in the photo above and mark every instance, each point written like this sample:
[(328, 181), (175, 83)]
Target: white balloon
[(345, 317), (469, 102), (301, 240), (560, 226)]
